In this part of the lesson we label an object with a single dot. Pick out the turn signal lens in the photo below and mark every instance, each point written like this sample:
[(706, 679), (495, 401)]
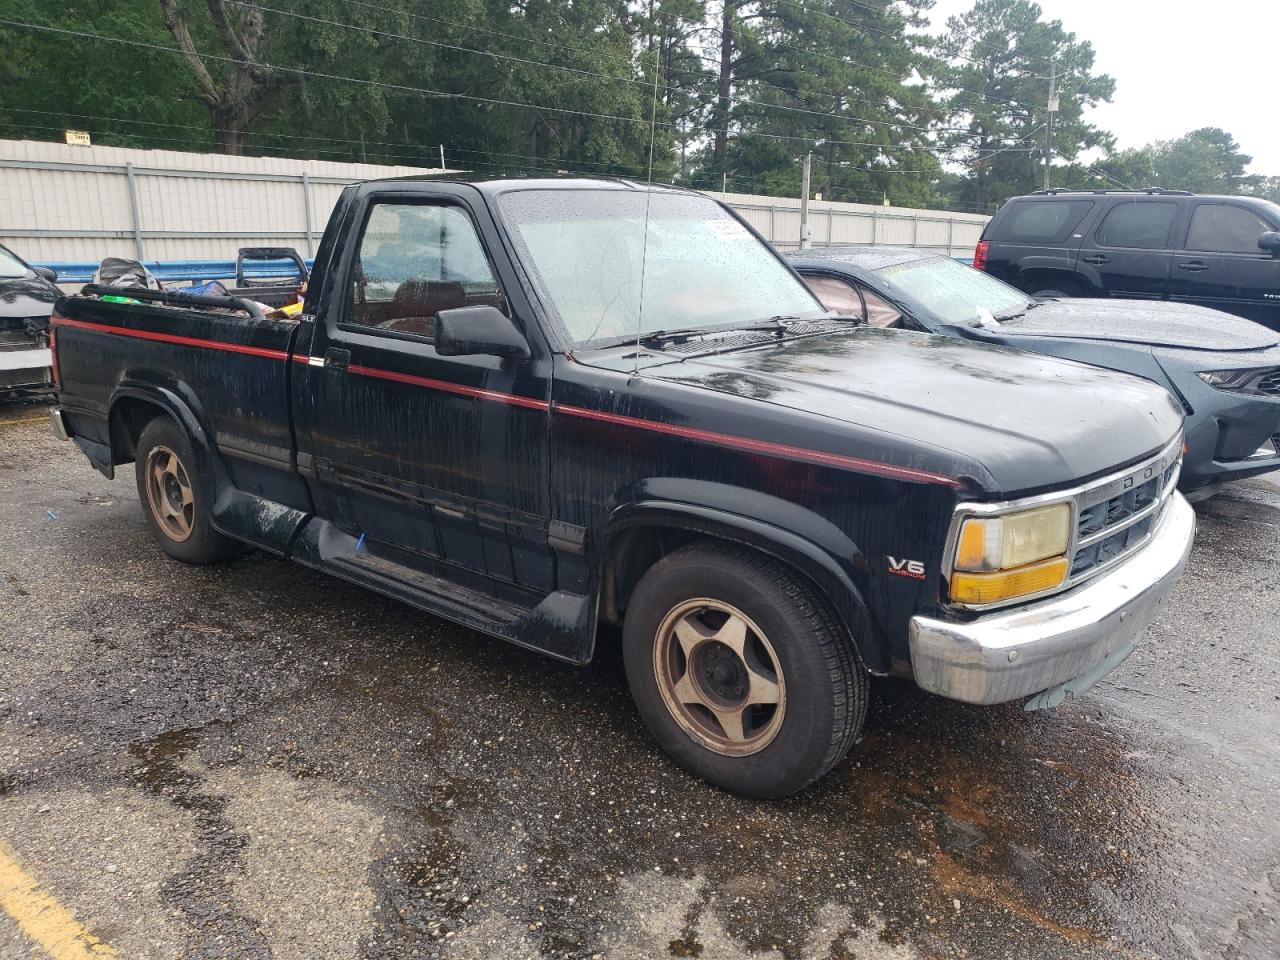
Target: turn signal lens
[(980, 588), (1016, 539)]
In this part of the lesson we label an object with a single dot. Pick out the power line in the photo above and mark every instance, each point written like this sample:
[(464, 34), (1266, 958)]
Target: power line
[(298, 71), (887, 13), (405, 88), (426, 151), (582, 73), (441, 44)]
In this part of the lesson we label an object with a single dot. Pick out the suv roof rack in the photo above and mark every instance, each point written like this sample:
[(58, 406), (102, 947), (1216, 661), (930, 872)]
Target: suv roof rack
[(1149, 191)]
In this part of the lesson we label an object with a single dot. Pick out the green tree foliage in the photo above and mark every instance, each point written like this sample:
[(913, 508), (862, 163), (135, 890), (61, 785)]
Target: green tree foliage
[(834, 78), (735, 92), (1266, 187), (125, 96), (994, 80), (1207, 160)]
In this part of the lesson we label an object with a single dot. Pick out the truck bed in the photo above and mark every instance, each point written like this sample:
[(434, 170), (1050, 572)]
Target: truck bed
[(230, 370)]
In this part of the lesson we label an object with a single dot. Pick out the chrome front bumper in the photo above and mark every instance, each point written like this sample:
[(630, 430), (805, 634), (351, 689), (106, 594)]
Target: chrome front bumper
[(1018, 652)]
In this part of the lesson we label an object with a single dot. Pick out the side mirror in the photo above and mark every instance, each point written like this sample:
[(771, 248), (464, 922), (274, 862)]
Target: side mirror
[(471, 331), (46, 273), (1270, 242)]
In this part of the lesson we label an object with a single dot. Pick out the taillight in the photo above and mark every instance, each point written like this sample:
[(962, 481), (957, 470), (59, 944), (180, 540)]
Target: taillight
[(980, 255), (53, 352)]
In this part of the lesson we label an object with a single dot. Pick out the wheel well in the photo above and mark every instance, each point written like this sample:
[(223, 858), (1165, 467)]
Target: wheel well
[(1034, 280), (630, 555), (129, 417)]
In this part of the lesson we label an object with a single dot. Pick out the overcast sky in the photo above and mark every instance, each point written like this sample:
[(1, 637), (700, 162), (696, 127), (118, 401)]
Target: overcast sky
[(1178, 66)]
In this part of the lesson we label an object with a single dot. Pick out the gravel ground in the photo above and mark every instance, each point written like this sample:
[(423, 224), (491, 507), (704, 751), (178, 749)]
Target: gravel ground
[(254, 760)]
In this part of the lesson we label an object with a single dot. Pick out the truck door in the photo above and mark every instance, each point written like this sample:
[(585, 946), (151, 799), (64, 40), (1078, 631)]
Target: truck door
[(1129, 254), (1220, 265), (432, 459)]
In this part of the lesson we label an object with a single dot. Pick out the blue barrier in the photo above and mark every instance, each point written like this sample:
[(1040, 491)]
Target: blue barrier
[(74, 271), (70, 271)]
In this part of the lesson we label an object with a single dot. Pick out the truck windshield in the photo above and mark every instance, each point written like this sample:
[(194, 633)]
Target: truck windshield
[(702, 269), (11, 266), (953, 292)]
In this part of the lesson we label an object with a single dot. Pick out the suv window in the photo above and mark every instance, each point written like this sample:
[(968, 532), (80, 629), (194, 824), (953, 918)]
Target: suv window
[(415, 260), (1137, 223), (1225, 228), (1040, 221)]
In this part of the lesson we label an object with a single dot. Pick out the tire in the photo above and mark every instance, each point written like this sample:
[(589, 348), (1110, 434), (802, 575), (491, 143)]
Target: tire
[(1056, 293), (680, 668), (175, 495)]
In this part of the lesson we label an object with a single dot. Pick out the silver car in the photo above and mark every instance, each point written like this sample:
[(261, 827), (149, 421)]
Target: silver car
[(27, 295)]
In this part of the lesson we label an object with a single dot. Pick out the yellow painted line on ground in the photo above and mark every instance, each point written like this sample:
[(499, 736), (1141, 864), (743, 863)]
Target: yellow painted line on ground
[(28, 420), (43, 919)]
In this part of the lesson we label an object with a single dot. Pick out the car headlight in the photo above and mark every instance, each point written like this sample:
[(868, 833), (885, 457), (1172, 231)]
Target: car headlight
[(1013, 555), (1265, 382)]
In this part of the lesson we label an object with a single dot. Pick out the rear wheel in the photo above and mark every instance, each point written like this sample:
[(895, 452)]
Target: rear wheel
[(740, 672), (174, 498), (1058, 288)]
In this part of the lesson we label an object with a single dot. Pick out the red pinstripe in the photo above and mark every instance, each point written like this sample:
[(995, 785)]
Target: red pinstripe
[(763, 446), (747, 444), (172, 338)]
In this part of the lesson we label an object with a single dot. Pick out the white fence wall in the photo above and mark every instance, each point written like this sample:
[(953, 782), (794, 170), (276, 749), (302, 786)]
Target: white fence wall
[(60, 203), (833, 223)]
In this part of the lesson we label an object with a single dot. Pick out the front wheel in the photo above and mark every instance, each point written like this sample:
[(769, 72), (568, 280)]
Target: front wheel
[(174, 496), (740, 671)]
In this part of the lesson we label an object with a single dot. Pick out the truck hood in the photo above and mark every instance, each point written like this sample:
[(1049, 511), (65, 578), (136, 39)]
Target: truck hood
[(1147, 322), (1009, 420)]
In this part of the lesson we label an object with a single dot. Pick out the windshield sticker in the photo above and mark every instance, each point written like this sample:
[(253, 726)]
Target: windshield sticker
[(729, 229)]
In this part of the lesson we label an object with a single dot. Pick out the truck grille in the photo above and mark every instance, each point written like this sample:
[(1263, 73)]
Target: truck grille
[(1116, 516), (1270, 384), (35, 378), (17, 340)]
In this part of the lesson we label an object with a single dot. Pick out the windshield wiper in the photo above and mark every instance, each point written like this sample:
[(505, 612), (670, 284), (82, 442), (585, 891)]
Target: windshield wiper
[(779, 323), (661, 336)]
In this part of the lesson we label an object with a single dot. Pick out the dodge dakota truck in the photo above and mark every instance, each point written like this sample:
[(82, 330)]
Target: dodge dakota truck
[(536, 406)]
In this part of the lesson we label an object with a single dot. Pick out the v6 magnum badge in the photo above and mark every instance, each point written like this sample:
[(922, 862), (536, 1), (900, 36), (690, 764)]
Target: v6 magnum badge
[(906, 568)]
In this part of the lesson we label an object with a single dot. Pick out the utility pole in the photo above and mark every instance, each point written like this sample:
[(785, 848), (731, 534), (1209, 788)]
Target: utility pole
[(1048, 124), (805, 242)]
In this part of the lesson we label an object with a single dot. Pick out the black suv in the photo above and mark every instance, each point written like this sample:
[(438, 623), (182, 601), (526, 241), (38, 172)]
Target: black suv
[(1220, 252)]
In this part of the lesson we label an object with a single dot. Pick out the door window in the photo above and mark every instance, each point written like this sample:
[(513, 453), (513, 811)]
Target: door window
[(836, 295), (1040, 221), (841, 296), (880, 312), (1138, 224), (414, 261), (1223, 228)]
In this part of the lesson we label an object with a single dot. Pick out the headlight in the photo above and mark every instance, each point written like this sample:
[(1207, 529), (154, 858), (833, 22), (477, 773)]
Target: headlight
[(1265, 382), (1017, 554)]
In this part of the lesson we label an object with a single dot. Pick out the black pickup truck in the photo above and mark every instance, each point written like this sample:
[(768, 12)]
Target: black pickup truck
[(535, 406)]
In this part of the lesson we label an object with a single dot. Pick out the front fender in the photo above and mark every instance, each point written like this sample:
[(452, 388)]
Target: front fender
[(794, 536)]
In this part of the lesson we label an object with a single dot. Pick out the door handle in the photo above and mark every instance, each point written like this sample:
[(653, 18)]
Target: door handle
[(1195, 266), (1097, 259), (336, 358)]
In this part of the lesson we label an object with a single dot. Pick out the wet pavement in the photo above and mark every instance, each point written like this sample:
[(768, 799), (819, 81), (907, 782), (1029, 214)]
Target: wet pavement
[(254, 760)]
